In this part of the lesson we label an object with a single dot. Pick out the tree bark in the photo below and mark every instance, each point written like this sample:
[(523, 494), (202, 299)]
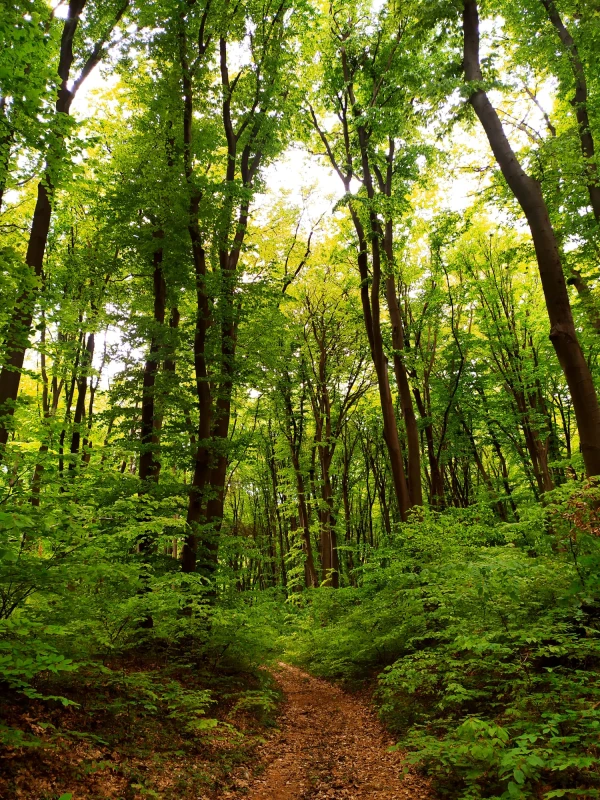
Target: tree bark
[(294, 439), (387, 406), (69, 395), (196, 502), (370, 300), (437, 479), (408, 412), (372, 319), (272, 464)]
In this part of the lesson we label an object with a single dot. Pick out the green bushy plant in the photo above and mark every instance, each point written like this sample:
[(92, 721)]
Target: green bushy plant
[(485, 638)]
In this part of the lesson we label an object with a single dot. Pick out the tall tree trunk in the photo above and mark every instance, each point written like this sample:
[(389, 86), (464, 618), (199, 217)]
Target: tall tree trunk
[(69, 395), (437, 479), (294, 442), (87, 442), (273, 474), (529, 195), (309, 568), (345, 486), (408, 412), (82, 383), (17, 337), (503, 467), (169, 367), (371, 301), (390, 428), (371, 314), (149, 465), (203, 452), (49, 412), (222, 406), (330, 564), (200, 478), (379, 480)]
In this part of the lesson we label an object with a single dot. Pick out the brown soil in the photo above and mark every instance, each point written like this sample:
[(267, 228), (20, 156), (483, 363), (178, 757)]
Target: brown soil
[(330, 745)]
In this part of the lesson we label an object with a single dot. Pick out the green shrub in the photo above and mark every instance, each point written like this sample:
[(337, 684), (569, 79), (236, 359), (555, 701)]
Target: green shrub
[(485, 638)]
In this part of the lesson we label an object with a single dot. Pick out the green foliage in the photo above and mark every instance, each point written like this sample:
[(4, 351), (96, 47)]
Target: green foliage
[(153, 694), (25, 655), (245, 331), (488, 652)]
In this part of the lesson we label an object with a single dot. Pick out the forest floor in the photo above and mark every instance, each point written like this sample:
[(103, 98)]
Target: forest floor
[(330, 746)]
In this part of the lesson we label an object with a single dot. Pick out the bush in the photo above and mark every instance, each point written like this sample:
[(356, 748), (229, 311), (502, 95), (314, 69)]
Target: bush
[(485, 639)]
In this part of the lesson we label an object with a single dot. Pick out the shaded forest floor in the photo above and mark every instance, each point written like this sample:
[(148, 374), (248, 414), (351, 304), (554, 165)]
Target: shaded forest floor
[(136, 730), (330, 745)]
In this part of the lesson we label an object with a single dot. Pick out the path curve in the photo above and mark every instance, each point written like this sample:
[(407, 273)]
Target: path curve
[(330, 746)]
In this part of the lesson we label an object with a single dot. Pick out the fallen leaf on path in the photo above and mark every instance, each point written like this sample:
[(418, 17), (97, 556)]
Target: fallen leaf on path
[(331, 746)]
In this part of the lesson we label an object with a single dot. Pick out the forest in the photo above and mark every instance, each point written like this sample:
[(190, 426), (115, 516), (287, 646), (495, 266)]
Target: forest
[(299, 416)]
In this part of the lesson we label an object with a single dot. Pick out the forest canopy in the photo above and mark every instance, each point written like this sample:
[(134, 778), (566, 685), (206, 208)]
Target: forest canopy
[(299, 359)]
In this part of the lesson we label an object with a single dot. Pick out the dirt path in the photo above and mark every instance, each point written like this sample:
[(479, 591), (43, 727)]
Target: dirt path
[(331, 745)]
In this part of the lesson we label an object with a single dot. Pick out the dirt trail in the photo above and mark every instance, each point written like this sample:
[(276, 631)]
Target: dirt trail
[(330, 745)]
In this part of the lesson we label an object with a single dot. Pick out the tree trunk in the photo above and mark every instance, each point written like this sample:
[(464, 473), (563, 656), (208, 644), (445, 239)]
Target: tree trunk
[(349, 561), (82, 383), (149, 465), (203, 392), (17, 337), (49, 412), (330, 564), (408, 412), (371, 314), (69, 395), (529, 195), (201, 474), (390, 428), (273, 474), (437, 479), (310, 571)]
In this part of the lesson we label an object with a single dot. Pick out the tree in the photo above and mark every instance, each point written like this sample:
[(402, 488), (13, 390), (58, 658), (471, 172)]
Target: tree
[(528, 192), (19, 328), (360, 61)]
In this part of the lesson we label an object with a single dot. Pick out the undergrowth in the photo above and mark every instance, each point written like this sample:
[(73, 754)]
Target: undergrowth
[(484, 638), (119, 676)]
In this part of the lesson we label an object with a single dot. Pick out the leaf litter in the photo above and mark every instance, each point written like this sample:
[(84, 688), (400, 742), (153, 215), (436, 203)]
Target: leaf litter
[(330, 746)]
